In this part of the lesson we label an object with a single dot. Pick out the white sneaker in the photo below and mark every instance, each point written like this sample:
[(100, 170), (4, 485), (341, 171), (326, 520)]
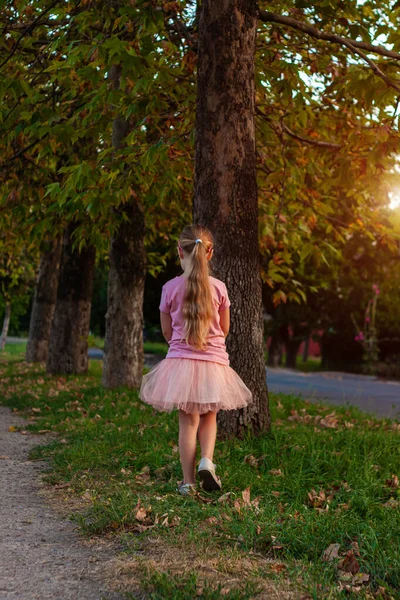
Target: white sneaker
[(209, 479), (186, 489)]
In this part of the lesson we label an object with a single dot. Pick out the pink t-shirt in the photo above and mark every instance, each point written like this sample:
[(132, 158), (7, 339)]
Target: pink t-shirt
[(172, 297)]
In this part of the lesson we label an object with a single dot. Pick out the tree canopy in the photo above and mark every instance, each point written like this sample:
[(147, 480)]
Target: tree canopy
[(327, 126)]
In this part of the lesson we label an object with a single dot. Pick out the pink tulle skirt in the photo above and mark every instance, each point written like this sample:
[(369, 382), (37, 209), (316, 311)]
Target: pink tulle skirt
[(194, 386)]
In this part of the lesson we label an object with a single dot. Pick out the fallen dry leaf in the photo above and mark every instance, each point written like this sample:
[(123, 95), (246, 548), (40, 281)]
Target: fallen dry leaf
[(275, 493), (278, 567), (317, 499), (251, 460), (329, 421), (141, 514), (349, 564), (355, 548), (381, 593), (393, 482), (391, 503), (12, 429), (352, 583), (237, 505), (331, 552), (246, 497), (225, 497), (203, 499), (143, 476), (276, 472), (245, 502), (212, 520)]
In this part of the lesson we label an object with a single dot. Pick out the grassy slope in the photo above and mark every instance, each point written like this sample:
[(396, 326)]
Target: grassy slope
[(314, 480)]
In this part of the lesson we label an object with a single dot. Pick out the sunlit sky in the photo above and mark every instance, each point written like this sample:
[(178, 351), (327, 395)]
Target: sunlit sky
[(394, 199)]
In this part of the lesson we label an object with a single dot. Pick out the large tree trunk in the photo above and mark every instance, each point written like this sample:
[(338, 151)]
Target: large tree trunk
[(44, 304), (226, 189), (123, 350), (6, 324), (68, 348)]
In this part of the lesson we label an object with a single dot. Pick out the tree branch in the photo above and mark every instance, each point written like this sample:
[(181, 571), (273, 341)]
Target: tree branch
[(390, 82), (268, 17), (26, 31), (282, 128), (319, 143), (23, 150)]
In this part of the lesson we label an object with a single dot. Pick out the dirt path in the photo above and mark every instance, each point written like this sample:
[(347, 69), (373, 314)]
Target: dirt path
[(41, 555)]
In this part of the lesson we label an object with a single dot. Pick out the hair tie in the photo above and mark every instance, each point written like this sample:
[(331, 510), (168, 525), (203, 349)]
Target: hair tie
[(198, 241)]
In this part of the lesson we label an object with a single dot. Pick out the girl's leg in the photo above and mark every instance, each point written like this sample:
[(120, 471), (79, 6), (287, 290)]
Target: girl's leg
[(188, 425), (208, 434)]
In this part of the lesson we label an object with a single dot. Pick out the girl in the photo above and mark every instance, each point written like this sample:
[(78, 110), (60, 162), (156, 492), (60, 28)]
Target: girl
[(195, 377)]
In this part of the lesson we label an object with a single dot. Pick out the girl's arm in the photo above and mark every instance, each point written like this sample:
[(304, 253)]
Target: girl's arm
[(166, 326), (224, 321)]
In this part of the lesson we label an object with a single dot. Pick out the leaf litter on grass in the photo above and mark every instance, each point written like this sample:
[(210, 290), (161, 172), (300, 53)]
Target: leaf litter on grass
[(304, 451), (230, 574)]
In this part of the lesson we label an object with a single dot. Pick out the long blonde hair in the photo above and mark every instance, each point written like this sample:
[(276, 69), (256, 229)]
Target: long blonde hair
[(197, 305)]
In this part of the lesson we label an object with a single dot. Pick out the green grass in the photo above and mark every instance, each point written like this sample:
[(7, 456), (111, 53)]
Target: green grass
[(155, 348), (13, 350), (311, 364), (121, 458), (160, 586)]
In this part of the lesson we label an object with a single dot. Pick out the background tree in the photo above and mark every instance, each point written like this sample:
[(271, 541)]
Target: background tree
[(44, 303)]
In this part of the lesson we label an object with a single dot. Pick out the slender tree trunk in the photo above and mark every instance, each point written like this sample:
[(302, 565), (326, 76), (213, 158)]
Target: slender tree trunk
[(226, 189), (44, 304), (292, 349), (6, 324), (306, 349), (68, 348), (123, 349), (275, 351)]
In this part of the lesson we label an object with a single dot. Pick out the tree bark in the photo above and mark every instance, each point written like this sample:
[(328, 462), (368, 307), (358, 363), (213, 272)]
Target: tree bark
[(68, 348), (123, 350), (226, 188), (44, 303), (6, 325)]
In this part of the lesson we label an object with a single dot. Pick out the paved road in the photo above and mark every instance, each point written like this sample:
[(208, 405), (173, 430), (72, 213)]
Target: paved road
[(368, 393)]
